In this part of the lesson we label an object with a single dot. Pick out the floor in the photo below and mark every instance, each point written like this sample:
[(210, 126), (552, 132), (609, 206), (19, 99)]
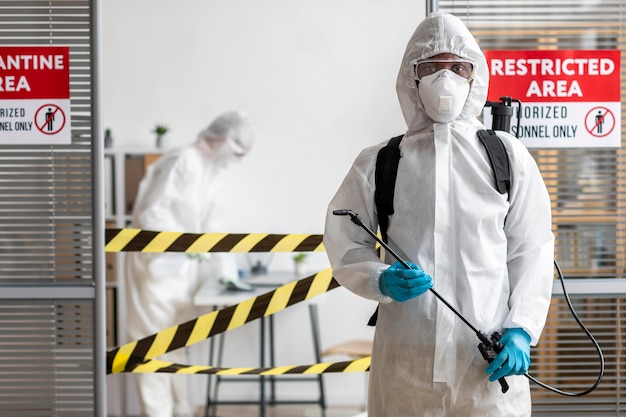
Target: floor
[(287, 411)]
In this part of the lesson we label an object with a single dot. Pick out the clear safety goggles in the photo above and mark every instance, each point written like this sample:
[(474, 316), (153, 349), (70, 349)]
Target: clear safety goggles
[(425, 67)]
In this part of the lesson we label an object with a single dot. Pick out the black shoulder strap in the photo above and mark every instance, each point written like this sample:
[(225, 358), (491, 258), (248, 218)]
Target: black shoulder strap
[(386, 172), (498, 158), (385, 177)]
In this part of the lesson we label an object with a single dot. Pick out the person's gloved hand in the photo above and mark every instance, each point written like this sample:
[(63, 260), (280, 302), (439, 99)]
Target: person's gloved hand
[(402, 284), (514, 359)]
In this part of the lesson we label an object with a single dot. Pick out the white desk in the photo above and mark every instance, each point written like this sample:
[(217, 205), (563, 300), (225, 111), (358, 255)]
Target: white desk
[(214, 295)]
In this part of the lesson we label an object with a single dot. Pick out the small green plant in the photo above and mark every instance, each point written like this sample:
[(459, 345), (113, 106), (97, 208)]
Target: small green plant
[(298, 262), (300, 257), (161, 129), (108, 138)]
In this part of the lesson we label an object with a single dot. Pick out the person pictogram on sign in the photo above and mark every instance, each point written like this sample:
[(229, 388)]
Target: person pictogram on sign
[(50, 120), (599, 121)]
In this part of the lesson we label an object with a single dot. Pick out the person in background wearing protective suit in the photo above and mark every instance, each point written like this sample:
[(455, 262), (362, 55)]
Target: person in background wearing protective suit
[(489, 254), (180, 193)]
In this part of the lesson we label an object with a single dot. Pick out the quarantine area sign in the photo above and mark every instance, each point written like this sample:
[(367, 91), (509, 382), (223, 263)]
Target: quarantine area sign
[(570, 98), (34, 95)]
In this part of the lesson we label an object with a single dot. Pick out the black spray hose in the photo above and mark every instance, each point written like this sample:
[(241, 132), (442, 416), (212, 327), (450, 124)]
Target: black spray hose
[(589, 335), (491, 346)]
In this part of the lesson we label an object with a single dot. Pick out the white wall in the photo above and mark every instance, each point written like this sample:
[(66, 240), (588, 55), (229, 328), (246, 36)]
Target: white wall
[(318, 80)]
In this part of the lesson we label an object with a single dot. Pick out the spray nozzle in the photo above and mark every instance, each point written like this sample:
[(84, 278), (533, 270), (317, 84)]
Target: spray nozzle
[(502, 113), (353, 216)]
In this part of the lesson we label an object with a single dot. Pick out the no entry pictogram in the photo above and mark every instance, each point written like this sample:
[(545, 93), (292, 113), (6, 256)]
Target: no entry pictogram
[(599, 121), (49, 119)]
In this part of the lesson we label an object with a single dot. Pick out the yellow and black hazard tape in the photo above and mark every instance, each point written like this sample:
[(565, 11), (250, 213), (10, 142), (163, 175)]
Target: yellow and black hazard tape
[(126, 357), (137, 240), (158, 366)]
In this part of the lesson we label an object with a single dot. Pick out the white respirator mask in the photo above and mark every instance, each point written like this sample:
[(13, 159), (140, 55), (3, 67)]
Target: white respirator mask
[(443, 94)]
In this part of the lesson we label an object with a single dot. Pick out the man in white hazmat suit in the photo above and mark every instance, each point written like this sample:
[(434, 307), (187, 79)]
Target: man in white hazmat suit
[(181, 192), (490, 255)]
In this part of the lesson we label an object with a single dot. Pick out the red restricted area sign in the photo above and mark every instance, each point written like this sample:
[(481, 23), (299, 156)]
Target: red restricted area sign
[(569, 98), (34, 95)]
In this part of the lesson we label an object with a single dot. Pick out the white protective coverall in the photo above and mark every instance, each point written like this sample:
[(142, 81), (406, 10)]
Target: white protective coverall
[(181, 192), (490, 258)]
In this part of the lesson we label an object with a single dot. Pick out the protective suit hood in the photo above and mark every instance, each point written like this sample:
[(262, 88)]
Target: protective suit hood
[(230, 135), (441, 33)]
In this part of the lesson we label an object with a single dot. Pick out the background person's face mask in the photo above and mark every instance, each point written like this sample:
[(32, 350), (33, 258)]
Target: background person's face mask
[(227, 155), (443, 94)]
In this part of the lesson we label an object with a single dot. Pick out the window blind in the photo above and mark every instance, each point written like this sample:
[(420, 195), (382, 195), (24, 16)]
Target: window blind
[(47, 299), (587, 191)]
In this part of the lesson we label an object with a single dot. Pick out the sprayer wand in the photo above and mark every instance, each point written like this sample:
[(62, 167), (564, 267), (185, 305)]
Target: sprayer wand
[(489, 346)]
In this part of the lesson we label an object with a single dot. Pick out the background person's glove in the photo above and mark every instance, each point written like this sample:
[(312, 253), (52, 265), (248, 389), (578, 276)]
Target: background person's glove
[(402, 284), (514, 358)]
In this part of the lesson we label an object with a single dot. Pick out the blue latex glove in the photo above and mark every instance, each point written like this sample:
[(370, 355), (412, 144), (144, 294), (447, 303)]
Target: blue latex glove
[(514, 358), (402, 284)]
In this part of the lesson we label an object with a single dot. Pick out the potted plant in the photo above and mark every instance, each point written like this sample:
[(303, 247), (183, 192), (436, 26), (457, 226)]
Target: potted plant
[(161, 131), (298, 260), (108, 138)]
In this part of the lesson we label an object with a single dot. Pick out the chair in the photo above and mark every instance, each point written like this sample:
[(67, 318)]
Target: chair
[(355, 349)]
